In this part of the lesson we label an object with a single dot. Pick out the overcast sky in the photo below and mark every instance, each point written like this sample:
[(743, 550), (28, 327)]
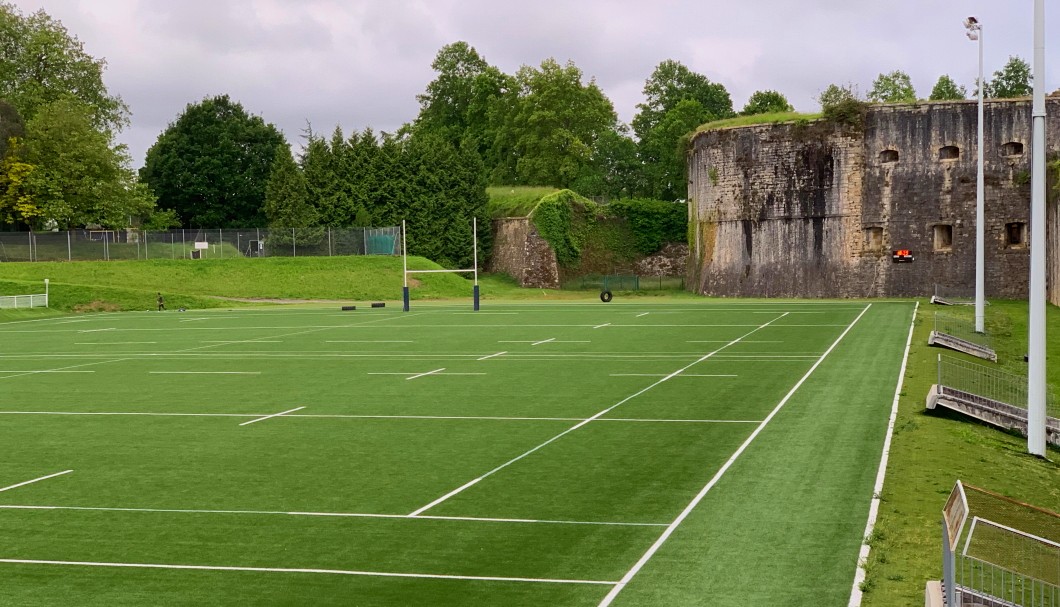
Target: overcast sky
[(361, 63)]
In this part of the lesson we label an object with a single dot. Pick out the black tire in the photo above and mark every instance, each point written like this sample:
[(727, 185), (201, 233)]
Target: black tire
[(605, 296)]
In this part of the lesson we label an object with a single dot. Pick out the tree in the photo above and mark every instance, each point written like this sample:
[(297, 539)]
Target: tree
[(79, 177), (947, 90), (1012, 80), (836, 94), (212, 164), (677, 100), (615, 170), (41, 63), (894, 87), (286, 197), (766, 102), (556, 120), (11, 125), (17, 203)]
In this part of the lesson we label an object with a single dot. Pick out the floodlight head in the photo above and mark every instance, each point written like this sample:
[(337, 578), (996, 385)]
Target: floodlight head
[(973, 35), (971, 23)]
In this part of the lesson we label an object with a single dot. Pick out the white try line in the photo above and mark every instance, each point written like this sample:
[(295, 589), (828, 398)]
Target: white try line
[(397, 417), (97, 330), (586, 421), (606, 324), (261, 419), (434, 576), (36, 480), (721, 472), (492, 356), (369, 515), (204, 372), (881, 472)]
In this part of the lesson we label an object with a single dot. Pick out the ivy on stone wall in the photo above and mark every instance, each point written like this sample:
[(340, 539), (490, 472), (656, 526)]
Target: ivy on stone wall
[(564, 219), (654, 223)]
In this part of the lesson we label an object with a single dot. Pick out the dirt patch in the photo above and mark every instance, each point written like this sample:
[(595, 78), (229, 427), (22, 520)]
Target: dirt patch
[(97, 306)]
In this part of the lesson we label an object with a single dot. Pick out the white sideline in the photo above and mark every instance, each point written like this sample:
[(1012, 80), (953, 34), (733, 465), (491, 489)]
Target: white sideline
[(435, 576), (204, 372), (721, 472), (475, 519), (36, 480), (586, 421), (261, 419), (881, 472)]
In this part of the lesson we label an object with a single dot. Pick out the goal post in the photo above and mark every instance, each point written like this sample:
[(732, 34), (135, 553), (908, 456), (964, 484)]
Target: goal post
[(406, 271)]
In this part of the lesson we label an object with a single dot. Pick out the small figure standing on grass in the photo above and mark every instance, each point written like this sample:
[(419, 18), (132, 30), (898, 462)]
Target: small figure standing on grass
[(161, 302)]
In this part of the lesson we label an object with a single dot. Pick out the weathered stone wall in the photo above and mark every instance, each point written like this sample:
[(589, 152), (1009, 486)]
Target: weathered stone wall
[(519, 251), (815, 210)]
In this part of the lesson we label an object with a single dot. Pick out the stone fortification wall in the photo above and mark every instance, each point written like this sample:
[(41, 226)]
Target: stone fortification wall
[(520, 252), (816, 209)]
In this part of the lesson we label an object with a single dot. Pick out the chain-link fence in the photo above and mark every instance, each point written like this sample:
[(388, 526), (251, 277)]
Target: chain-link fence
[(106, 245)]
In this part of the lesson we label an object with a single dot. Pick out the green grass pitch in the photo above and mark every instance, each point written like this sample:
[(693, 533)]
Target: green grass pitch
[(648, 453)]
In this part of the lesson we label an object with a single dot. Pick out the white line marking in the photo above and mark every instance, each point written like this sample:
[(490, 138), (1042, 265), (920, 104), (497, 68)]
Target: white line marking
[(493, 356), (113, 343), (642, 314), (427, 373), (242, 341), (193, 319), (367, 341), (721, 472), (97, 330), (100, 362), (399, 417), (331, 514), (204, 372), (664, 375), (538, 343), (606, 324), (881, 472), (261, 419), (46, 371), (36, 480), (298, 570), (486, 313), (597, 416)]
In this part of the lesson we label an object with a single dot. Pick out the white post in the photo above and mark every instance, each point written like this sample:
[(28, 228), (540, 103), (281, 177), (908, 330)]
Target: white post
[(980, 219), (1036, 295), (404, 255), (474, 239), (46, 304)]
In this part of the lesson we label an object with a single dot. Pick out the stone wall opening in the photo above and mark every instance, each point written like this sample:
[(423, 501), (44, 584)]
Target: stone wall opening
[(888, 156), (949, 152), (1016, 235), (1012, 148), (873, 239), (943, 237)]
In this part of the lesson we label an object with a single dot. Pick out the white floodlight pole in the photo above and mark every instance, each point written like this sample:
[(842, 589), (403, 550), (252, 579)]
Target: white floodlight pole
[(1036, 295), (975, 33)]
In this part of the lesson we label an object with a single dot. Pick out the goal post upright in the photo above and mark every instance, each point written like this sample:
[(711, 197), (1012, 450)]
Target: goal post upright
[(406, 271)]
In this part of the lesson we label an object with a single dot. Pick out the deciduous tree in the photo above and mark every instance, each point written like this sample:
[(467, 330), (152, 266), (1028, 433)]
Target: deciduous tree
[(766, 102), (212, 164), (1012, 80), (946, 90), (893, 87), (41, 62)]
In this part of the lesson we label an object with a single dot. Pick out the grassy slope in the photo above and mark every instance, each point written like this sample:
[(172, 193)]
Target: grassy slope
[(515, 201), (131, 285), (757, 119), (932, 450)]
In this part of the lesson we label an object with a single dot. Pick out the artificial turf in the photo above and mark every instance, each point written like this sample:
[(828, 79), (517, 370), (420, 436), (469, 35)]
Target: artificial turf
[(567, 437)]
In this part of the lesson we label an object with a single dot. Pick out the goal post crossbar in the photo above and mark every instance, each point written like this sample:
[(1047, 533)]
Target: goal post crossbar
[(406, 271)]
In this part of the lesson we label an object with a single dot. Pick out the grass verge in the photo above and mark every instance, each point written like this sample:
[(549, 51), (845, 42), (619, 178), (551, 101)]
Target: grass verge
[(932, 450)]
